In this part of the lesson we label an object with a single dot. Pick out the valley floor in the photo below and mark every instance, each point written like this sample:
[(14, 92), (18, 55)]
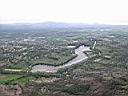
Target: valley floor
[(104, 73)]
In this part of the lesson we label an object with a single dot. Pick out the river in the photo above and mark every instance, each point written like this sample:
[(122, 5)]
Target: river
[(80, 57)]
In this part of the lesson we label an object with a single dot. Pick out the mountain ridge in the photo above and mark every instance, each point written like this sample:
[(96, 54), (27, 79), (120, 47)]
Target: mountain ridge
[(50, 25)]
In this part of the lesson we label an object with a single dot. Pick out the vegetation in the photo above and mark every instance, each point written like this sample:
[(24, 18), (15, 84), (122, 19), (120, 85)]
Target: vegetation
[(104, 73)]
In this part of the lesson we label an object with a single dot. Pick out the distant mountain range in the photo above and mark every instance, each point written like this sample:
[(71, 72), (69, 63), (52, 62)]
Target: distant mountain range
[(48, 25)]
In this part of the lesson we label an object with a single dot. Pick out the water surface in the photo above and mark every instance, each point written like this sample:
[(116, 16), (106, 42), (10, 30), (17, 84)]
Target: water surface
[(80, 57)]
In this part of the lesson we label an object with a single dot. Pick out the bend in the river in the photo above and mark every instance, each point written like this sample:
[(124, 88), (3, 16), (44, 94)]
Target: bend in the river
[(80, 57)]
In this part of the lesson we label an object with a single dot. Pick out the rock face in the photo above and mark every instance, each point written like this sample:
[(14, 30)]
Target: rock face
[(10, 90)]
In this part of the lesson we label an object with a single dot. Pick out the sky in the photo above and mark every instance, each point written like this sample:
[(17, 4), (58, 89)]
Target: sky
[(69, 11)]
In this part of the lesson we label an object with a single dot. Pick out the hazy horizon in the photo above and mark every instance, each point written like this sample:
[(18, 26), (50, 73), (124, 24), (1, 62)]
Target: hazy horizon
[(68, 11), (54, 22)]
